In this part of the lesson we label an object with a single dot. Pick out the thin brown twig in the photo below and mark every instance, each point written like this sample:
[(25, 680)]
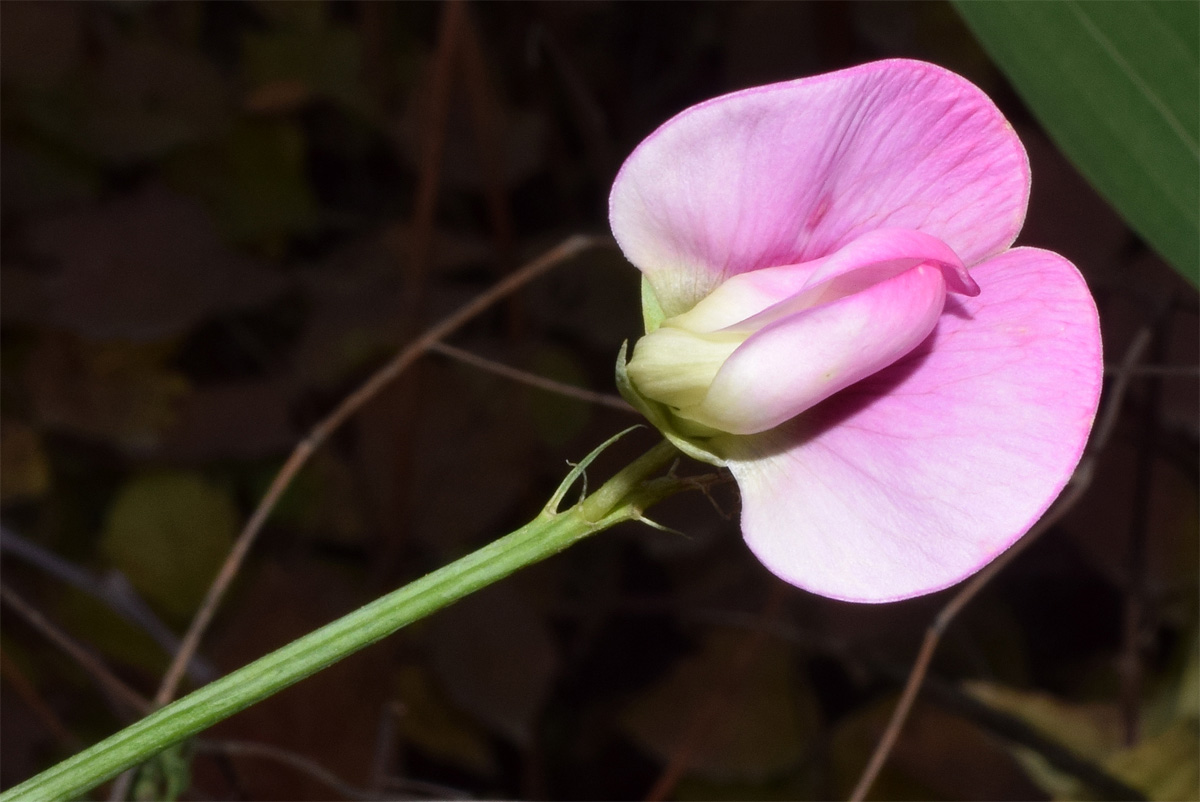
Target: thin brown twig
[(532, 379), (947, 694), (1137, 606), (384, 748), (1075, 490), (377, 70), (114, 591), (588, 115), (92, 665), (488, 122), (300, 455), (420, 789), (235, 748), (934, 633), (1126, 371), (395, 427), (26, 690), (121, 785), (288, 758), (433, 144)]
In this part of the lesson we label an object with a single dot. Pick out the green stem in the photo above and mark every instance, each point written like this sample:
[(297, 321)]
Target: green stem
[(624, 497)]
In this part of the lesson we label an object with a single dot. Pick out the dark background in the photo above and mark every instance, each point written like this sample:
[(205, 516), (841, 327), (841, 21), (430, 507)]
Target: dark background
[(212, 232)]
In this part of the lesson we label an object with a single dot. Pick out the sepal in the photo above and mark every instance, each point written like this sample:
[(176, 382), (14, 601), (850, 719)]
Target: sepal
[(696, 447)]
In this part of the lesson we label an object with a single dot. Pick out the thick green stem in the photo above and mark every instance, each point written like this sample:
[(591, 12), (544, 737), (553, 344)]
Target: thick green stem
[(624, 497)]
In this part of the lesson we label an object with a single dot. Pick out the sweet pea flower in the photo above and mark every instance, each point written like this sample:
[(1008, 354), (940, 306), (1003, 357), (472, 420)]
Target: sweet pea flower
[(834, 312)]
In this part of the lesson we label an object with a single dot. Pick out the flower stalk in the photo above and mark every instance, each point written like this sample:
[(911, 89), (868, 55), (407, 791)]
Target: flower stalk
[(624, 497)]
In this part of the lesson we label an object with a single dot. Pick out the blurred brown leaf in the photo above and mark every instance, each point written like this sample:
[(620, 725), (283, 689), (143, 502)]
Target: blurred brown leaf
[(1166, 766), (431, 724), (143, 267), (253, 180), (326, 500), (24, 469), (146, 98), (331, 717), (244, 420), (474, 452), (116, 391), (302, 58), (36, 179), (494, 656), (765, 727), (1090, 730), (938, 756), (1163, 765), (1100, 528), (40, 43), (522, 151), (358, 295)]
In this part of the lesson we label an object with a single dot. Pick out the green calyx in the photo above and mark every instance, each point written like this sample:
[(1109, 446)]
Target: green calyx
[(693, 439)]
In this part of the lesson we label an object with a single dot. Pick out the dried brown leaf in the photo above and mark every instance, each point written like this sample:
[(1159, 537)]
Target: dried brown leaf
[(762, 728), (115, 391), (24, 469), (494, 656), (143, 267)]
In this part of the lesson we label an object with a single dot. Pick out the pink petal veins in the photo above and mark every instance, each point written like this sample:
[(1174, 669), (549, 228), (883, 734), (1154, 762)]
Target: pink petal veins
[(784, 174)]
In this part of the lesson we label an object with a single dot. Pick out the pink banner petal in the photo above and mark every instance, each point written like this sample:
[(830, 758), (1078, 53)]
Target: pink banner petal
[(791, 172), (919, 475)]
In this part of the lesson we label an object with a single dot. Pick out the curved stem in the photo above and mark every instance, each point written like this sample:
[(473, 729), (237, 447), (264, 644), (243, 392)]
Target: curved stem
[(624, 497), (348, 407)]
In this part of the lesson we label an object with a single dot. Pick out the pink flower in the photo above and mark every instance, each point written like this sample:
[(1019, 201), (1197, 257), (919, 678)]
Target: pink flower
[(834, 313)]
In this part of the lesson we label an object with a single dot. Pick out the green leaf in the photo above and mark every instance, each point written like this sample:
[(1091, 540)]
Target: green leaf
[(1187, 703), (169, 534), (1165, 767), (1092, 731), (164, 776), (24, 469), (1115, 85)]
